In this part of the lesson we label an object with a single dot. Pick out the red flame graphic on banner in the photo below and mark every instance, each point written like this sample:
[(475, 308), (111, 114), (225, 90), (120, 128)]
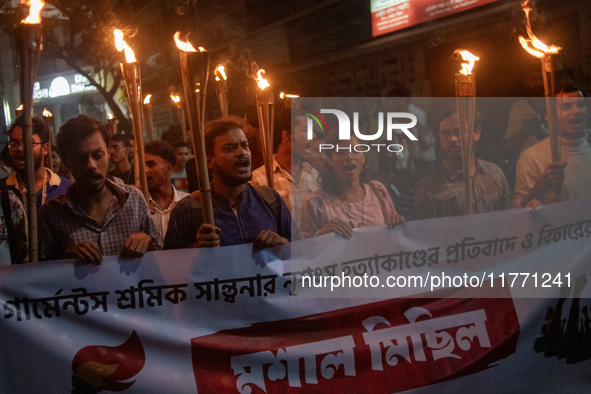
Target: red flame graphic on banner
[(104, 367)]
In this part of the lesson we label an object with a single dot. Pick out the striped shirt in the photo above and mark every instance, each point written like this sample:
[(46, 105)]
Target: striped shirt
[(63, 223), (291, 192)]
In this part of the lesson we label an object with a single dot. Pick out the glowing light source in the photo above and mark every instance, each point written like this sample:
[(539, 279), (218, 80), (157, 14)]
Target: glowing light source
[(34, 11), (534, 46), (121, 45), (59, 87), (220, 73), (286, 95), (185, 46), (46, 113), (147, 99), (263, 84), (469, 60)]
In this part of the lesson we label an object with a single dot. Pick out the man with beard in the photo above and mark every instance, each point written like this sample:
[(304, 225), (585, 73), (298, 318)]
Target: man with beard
[(160, 160), (537, 176), (48, 185), (96, 217), (243, 213), (441, 192), (292, 174)]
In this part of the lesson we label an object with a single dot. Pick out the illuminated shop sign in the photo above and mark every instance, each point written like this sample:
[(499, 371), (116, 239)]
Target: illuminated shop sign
[(62, 86), (391, 15)]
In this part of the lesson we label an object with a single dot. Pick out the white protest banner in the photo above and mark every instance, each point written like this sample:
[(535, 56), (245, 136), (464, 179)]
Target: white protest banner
[(223, 321)]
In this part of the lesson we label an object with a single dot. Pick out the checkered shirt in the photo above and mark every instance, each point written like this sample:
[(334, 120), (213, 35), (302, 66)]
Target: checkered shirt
[(441, 192), (63, 223)]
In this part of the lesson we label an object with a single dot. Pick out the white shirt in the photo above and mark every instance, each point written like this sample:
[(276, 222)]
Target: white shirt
[(292, 193), (533, 162), (161, 217)]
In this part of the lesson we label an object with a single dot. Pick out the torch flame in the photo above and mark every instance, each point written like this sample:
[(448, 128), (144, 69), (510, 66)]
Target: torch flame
[(534, 46), (109, 115), (20, 108), (220, 70), (175, 98), (121, 45), (284, 95), (147, 99), (263, 84), (46, 113), (185, 46), (34, 12), (468, 59)]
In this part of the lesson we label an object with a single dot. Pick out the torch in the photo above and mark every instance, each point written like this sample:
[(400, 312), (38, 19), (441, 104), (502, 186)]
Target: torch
[(176, 99), (48, 118), (133, 85), (221, 89), (543, 52), (195, 72), (28, 45), (465, 86), (149, 118), (19, 110), (266, 112), (287, 98), (111, 124)]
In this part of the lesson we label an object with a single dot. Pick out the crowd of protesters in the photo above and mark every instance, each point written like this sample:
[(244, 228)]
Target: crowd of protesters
[(89, 206)]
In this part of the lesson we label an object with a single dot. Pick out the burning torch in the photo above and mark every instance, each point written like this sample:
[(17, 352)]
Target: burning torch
[(221, 89), (133, 86), (543, 52), (48, 118), (111, 124), (266, 114), (287, 97), (149, 118), (176, 99), (28, 45), (195, 71), (465, 86)]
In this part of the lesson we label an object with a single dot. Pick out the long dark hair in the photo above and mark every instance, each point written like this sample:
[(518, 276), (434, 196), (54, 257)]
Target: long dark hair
[(328, 178)]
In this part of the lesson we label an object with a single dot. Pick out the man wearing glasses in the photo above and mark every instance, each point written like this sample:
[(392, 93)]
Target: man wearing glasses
[(119, 149), (48, 185)]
